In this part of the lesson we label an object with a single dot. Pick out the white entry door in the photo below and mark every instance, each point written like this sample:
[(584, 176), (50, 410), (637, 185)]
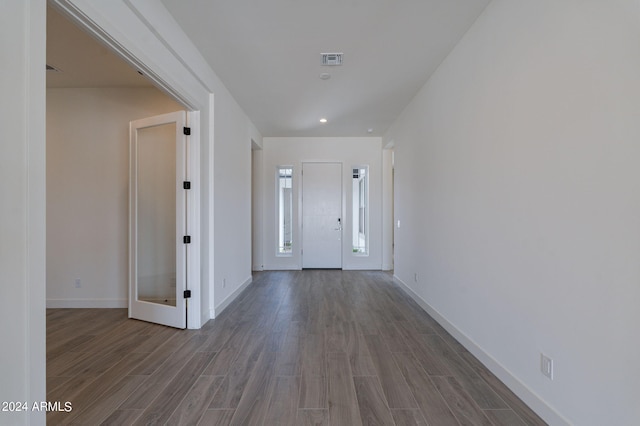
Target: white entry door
[(322, 215), (157, 220)]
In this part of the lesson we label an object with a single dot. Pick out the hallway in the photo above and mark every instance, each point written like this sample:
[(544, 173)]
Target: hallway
[(316, 347)]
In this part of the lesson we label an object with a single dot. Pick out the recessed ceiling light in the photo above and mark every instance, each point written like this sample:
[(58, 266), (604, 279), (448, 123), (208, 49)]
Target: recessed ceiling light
[(323, 120), (325, 76), (369, 130)]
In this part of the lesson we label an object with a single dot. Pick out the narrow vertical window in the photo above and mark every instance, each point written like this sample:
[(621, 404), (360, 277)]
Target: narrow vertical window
[(360, 210), (285, 210)]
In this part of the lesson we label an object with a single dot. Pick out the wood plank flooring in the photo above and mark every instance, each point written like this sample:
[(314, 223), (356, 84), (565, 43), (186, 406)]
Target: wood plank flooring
[(322, 347)]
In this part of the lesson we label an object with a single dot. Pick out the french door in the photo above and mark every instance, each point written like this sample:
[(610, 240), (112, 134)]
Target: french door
[(157, 220), (322, 215)]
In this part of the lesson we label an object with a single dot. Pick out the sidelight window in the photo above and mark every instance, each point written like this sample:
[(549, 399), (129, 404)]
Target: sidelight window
[(360, 220), (284, 180)]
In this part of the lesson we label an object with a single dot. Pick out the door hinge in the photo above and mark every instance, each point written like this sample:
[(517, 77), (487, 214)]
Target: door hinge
[(186, 130), (187, 294), (186, 239), (186, 184)]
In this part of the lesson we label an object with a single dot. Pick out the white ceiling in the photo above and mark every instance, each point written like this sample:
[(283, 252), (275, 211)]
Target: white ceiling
[(267, 53)]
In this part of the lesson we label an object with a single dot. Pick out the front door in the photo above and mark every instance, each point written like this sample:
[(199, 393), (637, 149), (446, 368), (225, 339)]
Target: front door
[(157, 222), (322, 215)]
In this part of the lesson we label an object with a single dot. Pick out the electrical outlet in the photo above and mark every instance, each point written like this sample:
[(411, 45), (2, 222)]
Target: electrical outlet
[(78, 283), (224, 282), (415, 277), (546, 366)]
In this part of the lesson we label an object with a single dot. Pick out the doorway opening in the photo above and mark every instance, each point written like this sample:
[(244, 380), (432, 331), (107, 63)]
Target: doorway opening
[(88, 115)]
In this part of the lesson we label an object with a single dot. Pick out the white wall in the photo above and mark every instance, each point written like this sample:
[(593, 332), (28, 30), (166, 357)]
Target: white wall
[(517, 184), (87, 191), (348, 151), (232, 191), (22, 208)]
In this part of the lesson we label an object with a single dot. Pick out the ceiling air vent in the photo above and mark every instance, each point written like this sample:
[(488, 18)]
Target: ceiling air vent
[(331, 59)]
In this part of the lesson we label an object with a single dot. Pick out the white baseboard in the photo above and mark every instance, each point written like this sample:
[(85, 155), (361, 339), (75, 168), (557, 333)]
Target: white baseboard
[(545, 411), (87, 303), (387, 267), (281, 268), (226, 302)]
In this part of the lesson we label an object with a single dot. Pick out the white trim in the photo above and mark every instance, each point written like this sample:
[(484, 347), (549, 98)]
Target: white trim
[(33, 320), (86, 303), (194, 278), (211, 261), (230, 298), (548, 413)]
